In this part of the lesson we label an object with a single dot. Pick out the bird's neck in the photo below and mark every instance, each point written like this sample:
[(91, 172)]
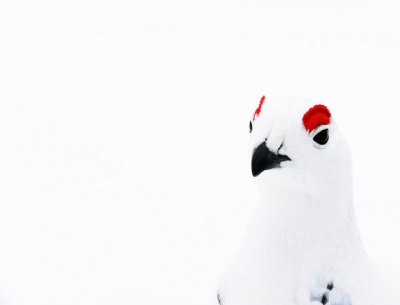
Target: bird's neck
[(291, 214)]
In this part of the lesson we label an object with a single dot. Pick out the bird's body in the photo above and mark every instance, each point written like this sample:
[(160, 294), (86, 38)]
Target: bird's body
[(302, 246)]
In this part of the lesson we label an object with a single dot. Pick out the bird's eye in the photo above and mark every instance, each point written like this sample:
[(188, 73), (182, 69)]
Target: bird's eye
[(322, 137), (251, 127)]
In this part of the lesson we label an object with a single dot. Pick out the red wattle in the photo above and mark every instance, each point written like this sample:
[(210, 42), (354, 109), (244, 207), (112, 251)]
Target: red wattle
[(258, 110), (315, 116)]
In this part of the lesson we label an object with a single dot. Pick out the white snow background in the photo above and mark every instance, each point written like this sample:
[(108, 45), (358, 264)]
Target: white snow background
[(124, 170)]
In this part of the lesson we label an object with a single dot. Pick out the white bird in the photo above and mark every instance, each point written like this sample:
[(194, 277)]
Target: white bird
[(302, 246)]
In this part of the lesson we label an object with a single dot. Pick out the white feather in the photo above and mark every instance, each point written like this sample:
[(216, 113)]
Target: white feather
[(303, 234)]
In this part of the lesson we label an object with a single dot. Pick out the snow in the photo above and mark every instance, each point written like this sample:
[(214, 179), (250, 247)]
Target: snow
[(124, 173)]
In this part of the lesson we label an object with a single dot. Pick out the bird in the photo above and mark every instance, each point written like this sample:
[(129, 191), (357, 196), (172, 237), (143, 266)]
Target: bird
[(302, 245)]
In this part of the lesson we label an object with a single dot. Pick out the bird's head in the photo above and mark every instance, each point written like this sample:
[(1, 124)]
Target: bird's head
[(297, 136)]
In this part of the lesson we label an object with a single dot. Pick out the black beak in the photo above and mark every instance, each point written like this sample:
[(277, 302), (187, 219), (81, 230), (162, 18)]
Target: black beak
[(264, 159)]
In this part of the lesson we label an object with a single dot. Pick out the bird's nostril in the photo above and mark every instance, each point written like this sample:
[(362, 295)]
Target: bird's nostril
[(282, 149)]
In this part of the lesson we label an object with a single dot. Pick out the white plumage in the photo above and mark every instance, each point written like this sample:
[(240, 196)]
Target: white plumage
[(302, 246)]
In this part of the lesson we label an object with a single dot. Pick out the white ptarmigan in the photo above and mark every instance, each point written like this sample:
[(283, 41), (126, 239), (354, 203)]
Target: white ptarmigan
[(302, 246)]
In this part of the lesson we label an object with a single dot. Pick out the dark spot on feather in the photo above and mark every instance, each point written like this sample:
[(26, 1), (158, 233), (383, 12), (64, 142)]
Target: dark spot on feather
[(324, 299)]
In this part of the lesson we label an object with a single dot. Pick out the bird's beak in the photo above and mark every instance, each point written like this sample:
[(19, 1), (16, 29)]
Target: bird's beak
[(264, 159)]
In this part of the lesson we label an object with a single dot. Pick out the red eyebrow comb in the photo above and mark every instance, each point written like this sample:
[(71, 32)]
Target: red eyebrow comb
[(258, 110), (315, 116)]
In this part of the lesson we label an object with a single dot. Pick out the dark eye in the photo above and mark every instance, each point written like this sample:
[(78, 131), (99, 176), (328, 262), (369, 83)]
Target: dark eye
[(251, 127), (322, 137)]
